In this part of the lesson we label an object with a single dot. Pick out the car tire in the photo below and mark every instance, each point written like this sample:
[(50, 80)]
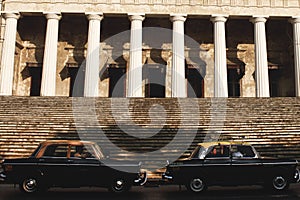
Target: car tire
[(29, 185), (196, 185), (279, 183), (119, 185)]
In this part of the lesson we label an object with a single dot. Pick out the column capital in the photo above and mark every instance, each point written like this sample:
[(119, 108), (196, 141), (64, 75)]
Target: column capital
[(94, 16), (294, 20), (52, 15), (136, 16), (219, 18), (14, 15), (178, 17), (259, 18)]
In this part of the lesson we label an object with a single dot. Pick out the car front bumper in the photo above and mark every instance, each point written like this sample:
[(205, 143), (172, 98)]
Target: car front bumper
[(2, 176), (142, 179), (297, 175), (166, 176)]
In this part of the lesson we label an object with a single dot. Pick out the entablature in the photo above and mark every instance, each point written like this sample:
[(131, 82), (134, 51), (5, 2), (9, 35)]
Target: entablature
[(189, 7)]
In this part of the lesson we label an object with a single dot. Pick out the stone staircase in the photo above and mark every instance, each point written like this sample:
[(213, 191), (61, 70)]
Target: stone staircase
[(151, 130)]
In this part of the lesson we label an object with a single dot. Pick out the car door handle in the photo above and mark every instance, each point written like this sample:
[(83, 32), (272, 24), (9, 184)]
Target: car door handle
[(70, 161), (41, 160)]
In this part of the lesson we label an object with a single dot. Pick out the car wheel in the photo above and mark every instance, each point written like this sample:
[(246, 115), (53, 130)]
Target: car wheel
[(29, 185), (119, 185), (279, 183), (196, 185)]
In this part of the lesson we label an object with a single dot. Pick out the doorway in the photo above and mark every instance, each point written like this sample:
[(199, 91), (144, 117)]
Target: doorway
[(117, 82), (36, 77), (155, 78), (195, 87)]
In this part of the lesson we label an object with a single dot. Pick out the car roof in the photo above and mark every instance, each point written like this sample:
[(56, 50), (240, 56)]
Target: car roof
[(72, 142), (214, 143)]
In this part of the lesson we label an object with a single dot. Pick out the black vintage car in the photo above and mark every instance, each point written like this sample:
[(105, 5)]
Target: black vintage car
[(231, 164), (65, 163)]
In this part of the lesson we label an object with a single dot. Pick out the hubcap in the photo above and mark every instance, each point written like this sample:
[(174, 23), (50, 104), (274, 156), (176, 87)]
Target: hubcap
[(119, 185), (30, 185), (279, 182), (197, 185)]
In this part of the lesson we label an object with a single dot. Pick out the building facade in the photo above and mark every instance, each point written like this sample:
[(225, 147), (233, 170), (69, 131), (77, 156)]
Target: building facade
[(150, 48)]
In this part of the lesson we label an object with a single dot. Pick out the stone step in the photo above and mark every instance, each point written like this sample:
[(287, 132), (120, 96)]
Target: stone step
[(271, 124)]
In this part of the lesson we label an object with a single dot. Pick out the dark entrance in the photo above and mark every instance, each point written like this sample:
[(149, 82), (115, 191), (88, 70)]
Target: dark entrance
[(36, 76), (117, 81), (235, 71), (155, 77), (233, 78), (274, 76), (195, 88), (76, 81)]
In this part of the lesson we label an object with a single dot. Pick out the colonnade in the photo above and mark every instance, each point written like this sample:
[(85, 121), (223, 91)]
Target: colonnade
[(178, 83)]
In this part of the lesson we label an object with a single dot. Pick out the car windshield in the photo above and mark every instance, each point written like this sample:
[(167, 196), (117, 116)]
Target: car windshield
[(98, 151), (202, 152)]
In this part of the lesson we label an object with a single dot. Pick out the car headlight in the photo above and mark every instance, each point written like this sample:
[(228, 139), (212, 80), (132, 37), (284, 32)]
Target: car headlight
[(297, 175)]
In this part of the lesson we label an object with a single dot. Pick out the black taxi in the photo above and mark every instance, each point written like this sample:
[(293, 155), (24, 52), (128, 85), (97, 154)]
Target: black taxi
[(230, 164), (69, 163)]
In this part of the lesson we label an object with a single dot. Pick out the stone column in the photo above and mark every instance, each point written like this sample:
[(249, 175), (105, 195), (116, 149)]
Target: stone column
[(296, 28), (221, 84), (179, 87), (8, 52), (48, 83), (92, 69), (261, 58), (135, 72)]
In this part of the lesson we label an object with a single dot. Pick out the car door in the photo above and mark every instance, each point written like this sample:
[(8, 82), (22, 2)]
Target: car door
[(85, 167), (247, 168), (53, 164), (217, 164)]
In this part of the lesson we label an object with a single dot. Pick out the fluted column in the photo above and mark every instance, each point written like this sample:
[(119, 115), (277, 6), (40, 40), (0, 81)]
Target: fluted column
[(296, 28), (48, 83), (178, 61), (92, 69), (221, 84), (261, 58), (8, 52), (135, 72)]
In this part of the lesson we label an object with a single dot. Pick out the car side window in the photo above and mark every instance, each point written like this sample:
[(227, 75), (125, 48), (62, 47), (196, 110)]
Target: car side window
[(82, 151), (247, 151), (218, 151), (235, 152), (242, 151), (56, 150)]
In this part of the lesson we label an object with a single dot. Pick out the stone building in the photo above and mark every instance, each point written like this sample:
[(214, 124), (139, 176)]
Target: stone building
[(141, 48)]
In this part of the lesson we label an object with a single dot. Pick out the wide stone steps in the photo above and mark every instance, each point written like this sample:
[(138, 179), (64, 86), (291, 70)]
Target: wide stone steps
[(141, 125)]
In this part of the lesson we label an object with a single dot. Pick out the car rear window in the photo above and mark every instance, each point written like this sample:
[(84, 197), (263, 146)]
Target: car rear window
[(56, 150)]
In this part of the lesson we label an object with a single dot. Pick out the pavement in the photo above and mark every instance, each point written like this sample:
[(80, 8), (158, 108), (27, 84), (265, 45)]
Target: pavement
[(164, 192)]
